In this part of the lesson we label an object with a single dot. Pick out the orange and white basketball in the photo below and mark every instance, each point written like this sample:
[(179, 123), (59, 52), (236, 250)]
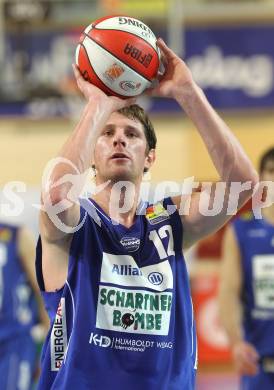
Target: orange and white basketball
[(119, 55)]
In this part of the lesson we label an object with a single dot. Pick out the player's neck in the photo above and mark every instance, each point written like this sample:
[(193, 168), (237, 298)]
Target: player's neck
[(119, 203), (268, 214)]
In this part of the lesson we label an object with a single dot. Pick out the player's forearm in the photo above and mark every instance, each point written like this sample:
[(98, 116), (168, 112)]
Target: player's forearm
[(225, 151), (231, 316), (80, 145), (77, 151)]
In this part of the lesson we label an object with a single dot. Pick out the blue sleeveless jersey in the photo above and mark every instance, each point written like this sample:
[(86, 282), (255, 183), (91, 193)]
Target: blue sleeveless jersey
[(124, 317), (18, 309), (256, 242)]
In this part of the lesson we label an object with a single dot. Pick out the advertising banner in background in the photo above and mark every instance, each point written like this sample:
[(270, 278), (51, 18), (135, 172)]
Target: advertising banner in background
[(233, 65)]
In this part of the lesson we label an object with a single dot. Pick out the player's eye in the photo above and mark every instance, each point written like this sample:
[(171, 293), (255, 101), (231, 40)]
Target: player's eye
[(270, 170), (132, 134)]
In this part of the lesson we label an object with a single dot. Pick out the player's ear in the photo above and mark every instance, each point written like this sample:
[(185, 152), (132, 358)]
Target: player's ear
[(94, 169), (150, 158)]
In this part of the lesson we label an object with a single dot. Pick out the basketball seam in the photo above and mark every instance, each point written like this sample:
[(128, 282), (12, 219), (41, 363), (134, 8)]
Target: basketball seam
[(110, 90), (117, 57), (128, 32)]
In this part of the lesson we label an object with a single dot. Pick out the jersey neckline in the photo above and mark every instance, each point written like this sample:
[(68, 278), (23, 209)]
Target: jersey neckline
[(139, 212)]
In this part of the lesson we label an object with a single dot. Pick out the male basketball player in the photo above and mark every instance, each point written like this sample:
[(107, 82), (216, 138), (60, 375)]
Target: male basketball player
[(117, 289), (247, 291), (19, 312)]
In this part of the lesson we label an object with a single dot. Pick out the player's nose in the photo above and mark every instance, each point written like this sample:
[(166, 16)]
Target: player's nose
[(119, 138)]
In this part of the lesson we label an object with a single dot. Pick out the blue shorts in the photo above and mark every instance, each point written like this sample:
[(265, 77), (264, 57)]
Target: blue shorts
[(18, 362)]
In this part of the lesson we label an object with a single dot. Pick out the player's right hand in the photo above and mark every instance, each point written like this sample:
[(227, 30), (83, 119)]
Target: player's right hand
[(96, 95), (176, 78), (246, 358)]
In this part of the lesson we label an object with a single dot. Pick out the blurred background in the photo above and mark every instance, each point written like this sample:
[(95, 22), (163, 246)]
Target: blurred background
[(227, 44)]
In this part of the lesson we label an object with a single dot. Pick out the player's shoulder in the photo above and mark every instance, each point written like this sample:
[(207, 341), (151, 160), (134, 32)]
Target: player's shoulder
[(244, 221), (246, 217), (161, 212), (158, 206)]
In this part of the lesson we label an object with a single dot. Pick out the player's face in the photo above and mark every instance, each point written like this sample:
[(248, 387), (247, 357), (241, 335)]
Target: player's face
[(268, 175), (121, 150)]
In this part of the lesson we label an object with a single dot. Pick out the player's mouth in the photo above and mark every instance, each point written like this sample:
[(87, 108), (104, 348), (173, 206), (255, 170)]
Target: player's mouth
[(119, 156)]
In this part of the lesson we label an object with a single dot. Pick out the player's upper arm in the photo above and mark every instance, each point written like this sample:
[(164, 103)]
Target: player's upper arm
[(196, 225), (206, 212), (230, 269), (26, 251), (57, 222)]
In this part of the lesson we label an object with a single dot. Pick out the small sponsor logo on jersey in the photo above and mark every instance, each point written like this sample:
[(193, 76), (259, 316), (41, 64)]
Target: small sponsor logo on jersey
[(113, 72), (263, 287), (131, 244), (58, 337), (246, 216), (155, 278), (126, 270), (127, 344), (272, 241), (156, 214), (127, 320), (257, 233), (99, 340), (5, 234), (127, 85)]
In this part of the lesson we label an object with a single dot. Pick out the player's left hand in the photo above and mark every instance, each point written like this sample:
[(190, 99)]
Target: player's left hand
[(246, 358), (176, 77)]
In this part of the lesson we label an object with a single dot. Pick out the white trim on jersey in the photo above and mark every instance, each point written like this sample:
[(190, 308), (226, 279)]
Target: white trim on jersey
[(192, 341), (73, 310)]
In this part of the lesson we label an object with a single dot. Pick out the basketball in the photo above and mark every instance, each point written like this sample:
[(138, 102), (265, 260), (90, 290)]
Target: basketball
[(119, 55)]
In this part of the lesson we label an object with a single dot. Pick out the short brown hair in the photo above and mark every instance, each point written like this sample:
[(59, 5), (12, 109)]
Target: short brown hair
[(267, 156), (136, 112)]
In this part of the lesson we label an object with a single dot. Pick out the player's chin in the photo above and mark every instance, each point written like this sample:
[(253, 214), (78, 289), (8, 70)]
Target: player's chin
[(122, 174)]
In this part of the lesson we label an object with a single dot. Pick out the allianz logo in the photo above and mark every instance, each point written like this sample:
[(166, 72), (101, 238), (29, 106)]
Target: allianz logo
[(126, 270), (155, 278)]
